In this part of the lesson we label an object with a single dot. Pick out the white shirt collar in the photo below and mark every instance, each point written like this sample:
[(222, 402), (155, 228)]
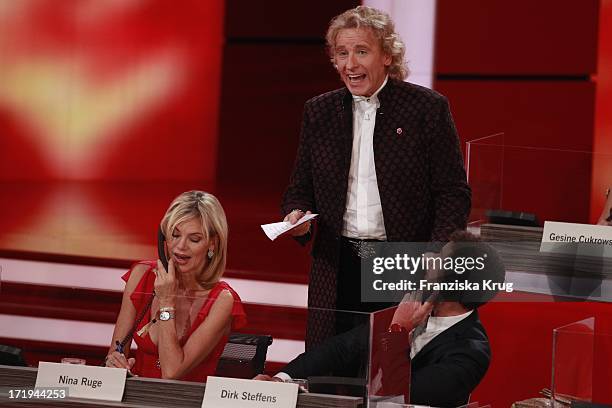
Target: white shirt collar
[(435, 326), (439, 324)]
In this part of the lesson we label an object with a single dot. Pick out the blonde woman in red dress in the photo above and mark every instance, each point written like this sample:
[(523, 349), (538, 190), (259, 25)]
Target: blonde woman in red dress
[(180, 318)]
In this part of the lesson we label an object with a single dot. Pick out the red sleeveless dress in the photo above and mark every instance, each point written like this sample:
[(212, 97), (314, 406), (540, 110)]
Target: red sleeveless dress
[(147, 356)]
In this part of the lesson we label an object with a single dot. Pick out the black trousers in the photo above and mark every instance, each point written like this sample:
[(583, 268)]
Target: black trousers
[(348, 291)]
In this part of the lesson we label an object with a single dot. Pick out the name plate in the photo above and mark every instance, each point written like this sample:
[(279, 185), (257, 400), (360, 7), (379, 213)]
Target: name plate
[(224, 392), (577, 239), (83, 381)]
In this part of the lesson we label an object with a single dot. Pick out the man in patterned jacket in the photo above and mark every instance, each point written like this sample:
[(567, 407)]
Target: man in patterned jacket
[(378, 159)]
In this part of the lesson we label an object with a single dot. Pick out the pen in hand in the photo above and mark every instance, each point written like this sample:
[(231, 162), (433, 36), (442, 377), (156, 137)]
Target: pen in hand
[(118, 347)]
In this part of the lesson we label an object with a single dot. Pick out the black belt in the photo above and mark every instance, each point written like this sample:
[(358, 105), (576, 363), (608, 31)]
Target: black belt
[(362, 248)]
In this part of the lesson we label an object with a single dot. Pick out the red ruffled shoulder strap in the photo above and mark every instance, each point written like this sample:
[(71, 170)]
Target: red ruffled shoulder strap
[(145, 287), (239, 319), (150, 264)]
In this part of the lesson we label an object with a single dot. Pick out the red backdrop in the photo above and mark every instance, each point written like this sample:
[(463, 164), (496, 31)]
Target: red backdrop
[(124, 90), (602, 144)]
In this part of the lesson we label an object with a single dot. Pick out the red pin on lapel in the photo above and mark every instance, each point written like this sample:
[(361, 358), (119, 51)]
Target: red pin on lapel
[(399, 131)]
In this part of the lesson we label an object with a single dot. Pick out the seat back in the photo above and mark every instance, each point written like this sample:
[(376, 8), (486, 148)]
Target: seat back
[(11, 356), (244, 355)]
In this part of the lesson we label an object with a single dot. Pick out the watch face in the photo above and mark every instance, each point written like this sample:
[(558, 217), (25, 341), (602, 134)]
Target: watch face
[(165, 316)]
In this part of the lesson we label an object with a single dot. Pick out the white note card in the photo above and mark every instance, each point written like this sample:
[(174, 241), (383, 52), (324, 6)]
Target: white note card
[(276, 229), (224, 392), (83, 381)]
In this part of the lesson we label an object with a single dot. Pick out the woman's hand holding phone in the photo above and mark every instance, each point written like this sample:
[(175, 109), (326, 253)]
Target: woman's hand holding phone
[(166, 284)]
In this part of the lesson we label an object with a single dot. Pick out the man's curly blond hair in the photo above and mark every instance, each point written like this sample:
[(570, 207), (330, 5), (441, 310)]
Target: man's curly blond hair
[(384, 30)]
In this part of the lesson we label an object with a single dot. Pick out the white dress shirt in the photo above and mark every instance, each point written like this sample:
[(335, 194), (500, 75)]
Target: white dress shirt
[(363, 217), (435, 325)]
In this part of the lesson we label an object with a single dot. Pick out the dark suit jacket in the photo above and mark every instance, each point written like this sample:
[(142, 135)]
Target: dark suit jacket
[(443, 373), (419, 169)]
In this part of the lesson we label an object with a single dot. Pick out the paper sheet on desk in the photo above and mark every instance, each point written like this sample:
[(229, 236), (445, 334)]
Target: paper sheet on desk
[(276, 229)]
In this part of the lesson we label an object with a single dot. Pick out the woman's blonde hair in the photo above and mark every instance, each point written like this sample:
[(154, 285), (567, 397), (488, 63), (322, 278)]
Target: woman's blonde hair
[(384, 30), (206, 208)]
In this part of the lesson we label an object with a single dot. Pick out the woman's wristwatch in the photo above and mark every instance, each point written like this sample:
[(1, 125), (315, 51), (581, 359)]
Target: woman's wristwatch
[(166, 313)]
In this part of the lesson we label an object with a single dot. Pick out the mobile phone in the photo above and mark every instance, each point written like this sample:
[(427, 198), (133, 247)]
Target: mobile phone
[(161, 248)]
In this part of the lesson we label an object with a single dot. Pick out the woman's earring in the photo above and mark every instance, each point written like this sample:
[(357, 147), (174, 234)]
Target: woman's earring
[(211, 253)]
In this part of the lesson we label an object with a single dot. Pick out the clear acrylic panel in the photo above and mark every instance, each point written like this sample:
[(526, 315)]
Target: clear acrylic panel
[(484, 168), (552, 183), (244, 355), (337, 364), (390, 366), (566, 276), (572, 366), (138, 339), (516, 189), (230, 354), (582, 357), (391, 404), (388, 360)]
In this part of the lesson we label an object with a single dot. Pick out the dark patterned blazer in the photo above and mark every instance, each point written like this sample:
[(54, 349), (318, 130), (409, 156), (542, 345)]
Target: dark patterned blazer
[(443, 373), (419, 169)]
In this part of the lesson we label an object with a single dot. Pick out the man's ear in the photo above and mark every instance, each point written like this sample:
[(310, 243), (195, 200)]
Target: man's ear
[(388, 60)]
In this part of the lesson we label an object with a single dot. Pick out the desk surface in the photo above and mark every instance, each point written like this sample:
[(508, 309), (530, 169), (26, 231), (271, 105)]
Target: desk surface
[(149, 392)]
